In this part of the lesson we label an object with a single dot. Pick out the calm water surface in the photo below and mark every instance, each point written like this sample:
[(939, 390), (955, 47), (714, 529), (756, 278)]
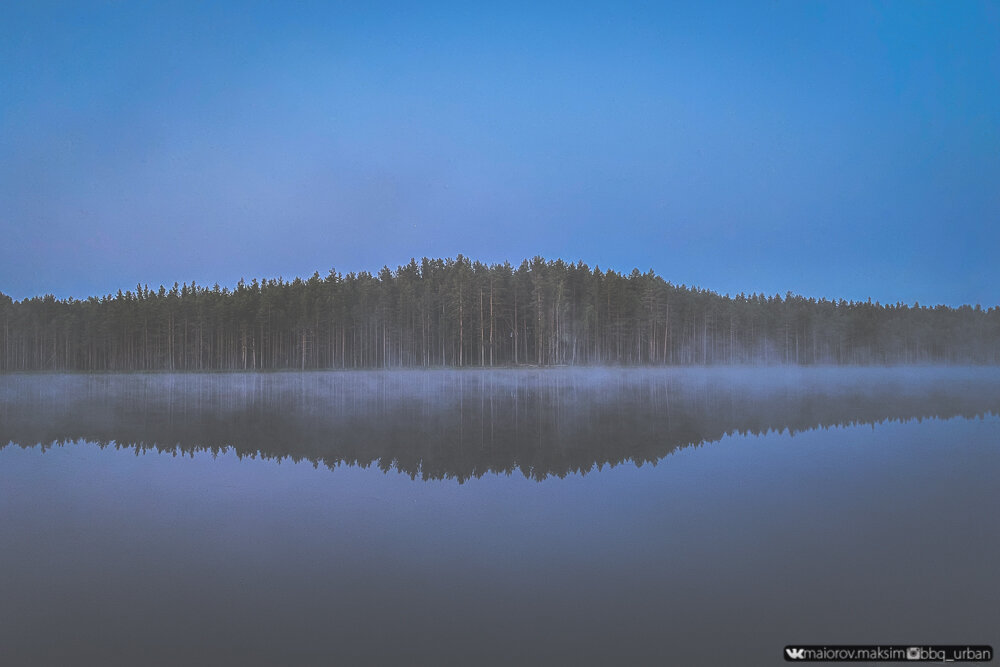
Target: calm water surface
[(552, 517)]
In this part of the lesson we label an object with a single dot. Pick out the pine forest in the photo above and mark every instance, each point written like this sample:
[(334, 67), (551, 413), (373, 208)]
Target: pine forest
[(463, 313)]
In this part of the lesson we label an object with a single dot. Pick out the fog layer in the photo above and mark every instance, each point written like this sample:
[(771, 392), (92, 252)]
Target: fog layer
[(462, 424)]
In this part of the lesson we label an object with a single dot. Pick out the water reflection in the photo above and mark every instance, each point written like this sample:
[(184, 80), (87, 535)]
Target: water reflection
[(448, 424)]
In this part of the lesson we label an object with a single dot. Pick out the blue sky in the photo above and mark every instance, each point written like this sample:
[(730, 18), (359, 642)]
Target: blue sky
[(841, 150)]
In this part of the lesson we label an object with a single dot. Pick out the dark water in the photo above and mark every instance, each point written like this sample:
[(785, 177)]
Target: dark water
[(550, 517)]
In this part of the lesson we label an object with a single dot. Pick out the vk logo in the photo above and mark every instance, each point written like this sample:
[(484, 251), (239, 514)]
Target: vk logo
[(795, 653)]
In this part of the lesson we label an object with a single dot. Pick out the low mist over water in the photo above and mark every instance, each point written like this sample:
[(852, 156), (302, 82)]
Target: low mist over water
[(692, 516), (461, 424)]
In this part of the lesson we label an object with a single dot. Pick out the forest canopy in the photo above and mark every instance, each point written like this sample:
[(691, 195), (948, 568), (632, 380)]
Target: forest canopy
[(458, 313)]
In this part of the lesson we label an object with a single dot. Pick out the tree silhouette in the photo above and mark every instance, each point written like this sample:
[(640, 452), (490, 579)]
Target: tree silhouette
[(460, 313)]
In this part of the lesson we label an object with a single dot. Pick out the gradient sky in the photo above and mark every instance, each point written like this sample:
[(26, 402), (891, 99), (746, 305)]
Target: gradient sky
[(844, 149)]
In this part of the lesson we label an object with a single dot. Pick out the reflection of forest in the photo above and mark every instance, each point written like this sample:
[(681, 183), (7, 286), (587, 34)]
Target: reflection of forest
[(459, 425)]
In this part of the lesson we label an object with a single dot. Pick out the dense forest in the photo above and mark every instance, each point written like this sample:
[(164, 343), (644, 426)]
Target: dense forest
[(458, 313)]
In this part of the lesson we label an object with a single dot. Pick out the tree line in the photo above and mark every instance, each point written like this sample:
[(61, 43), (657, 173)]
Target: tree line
[(463, 313)]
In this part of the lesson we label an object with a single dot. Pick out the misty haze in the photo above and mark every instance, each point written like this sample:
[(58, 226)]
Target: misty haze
[(607, 514), (451, 333)]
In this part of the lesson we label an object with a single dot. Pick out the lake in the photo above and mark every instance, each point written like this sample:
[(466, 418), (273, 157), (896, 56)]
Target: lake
[(571, 516)]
